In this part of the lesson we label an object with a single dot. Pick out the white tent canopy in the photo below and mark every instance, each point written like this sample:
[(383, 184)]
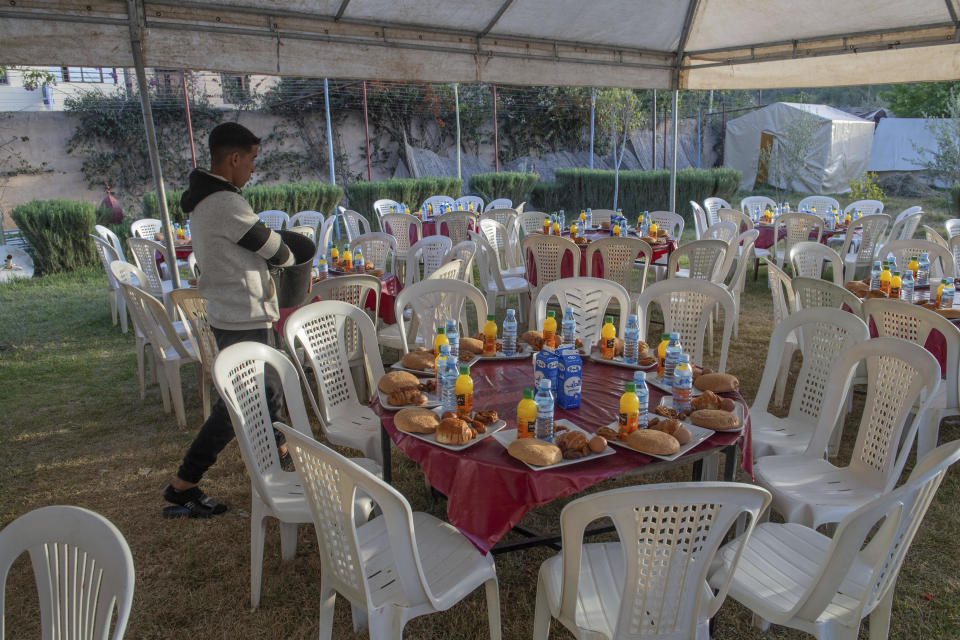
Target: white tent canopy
[(675, 44), (894, 143), (837, 152)]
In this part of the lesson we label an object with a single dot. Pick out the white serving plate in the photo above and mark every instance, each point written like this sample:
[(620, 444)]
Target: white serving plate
[(431, 437), (698, 435), (737, 409), (508, 436), (432, 401), (618, 362), (654, 381), (524, 352), (399, 367)]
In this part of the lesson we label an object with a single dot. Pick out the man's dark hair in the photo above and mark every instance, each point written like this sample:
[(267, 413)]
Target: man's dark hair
[(229, 137)]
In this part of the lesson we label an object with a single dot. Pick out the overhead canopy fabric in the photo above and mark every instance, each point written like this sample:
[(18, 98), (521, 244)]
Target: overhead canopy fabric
[(685, 44)]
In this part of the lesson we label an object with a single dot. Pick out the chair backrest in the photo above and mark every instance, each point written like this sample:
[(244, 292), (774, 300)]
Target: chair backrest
[(782, 291), (240, 373), (504, 217), (488, 261), (305, 230), (145, 256), (745, 241), (955, 252), (107, 256), (941, 260), (900, 319), (547, 253), (398, 225), (431, 251), (125, 273), (376, 248), (437, 201), (156, 324), (739, 218), (499, 203), (466, 201), (275, 219), (810, 293), (382, 208), (705, 258), (326, 234), (355, 223), (82, 567), (687, 305), (531, 221), (668, 534), (192, 266), (448, 271), (725, 231), (672, 222), (455, 225), (331, 483), (111, 237), (872, 228), (749, 204), (619, 257), (798, 227), (824, 334), (436, 301), (465, 251), (865, 207), (307, 218), (602, 215), (808, 257), (498, 238), (820, 204), (906, 223), (353, 289), (323, 330), (712, 206), (932, 235), (699, 219), (193, 312), (146, 228), (953, 227), (589, 299)]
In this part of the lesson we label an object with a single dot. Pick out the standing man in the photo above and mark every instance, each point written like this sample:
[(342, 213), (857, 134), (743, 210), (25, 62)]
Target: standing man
[(234, 251)]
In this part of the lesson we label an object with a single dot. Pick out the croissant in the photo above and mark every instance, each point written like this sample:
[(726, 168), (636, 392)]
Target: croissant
[(407, 397), (708, 400), (673, 428)]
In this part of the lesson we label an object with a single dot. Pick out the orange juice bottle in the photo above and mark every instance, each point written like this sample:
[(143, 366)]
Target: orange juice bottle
[(546, 226), (914, 266), (885, 278), (550, 329), (846, 219), (653, 229), (583, 218), (616, 229), (438, 341), (526, 415), (895, 283), (573, 231), (662, 354), (347, 260), (334, 256), (608, 338), (940, 291), (464, 390), (490, 336), (629, 416), (556, 228)]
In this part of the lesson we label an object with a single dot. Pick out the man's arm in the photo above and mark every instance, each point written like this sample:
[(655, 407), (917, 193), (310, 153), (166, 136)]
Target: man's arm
[(267, 244)]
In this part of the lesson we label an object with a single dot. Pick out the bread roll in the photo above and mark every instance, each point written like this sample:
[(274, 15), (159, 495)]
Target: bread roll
[(535, 452), (874, 293), (533, 338), (453, 431), (674, 428), (715, 419), (470, 344), (950, 314), (416, 420), (653, 441), (396, 381), (857, 288), (421, 360), (404, 397), (717, 382)]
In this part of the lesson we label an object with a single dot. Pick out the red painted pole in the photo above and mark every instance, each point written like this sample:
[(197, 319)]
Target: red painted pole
[(496, 143), (366, 130), (186, 106)]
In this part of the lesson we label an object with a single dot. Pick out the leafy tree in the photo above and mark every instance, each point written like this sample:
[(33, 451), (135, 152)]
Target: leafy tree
[(786, 157), (620, 112), (921, 100), (943, 163)]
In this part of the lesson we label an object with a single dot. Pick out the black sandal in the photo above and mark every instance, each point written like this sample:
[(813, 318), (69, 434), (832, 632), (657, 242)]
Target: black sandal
[(199, 504)]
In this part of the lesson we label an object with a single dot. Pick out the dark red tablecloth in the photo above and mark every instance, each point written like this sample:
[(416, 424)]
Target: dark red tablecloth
[(390, 287), (488, 492), (765, 237), (936, 343)]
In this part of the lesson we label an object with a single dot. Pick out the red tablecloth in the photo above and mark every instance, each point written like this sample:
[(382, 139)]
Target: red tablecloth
[(390, 287), (488, 492)]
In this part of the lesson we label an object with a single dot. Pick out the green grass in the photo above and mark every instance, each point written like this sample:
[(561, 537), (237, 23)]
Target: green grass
[(75, 431)]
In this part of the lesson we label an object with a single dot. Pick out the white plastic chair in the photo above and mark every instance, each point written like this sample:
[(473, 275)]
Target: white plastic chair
[(437, 201), (687, 305), (783, 303), (739, 218), (941, 260), (464, 251), (452, 270), (275, 219), (955, 252), (794, 576), (356, 224), (109, 236), (398, 225), (146, 228), (704, 259), (626, 261), (503, 216), (430, 251), (672, 222), (737, 281), (952, 227), (905, 224), (307, 218), (799, 227), (807, 259), (118, 306), (861, 255), (651, 583), (193, 313), (865, 207), (192, 266), (376, 248), (326, 330), (145, 256), (499, 203), (820, 204), (589, 298), (306, 231), (82, 568), (382, 208), (545, 253), (601, 216), (898, 319), (399, 565), (812, 293), (809, 490), (466, 201), (725, 231), (931, 235), (455, 225), (531, 222), (712, 206), (499, 239), (325, 236), (699, 219), (824, 333), (494, 282), (749, 204), (433, 303)]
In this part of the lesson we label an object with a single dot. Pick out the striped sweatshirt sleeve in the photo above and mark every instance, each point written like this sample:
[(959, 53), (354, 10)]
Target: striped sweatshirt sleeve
[(267, 244)]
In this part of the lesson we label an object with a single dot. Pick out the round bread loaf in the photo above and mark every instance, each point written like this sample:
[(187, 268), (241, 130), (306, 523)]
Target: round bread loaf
[(857, 288), (653, 441), (717, 382), (453, 431), (535, 452), (716, 419), (416, 420), (471, 344), (533, 338), (397, 380), (421, 360), (874, 293), (950, 314)]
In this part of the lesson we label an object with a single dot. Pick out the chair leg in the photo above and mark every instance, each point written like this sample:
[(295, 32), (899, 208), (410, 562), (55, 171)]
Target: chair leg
[(258, 531), (928, 433), (113, 308), (205, 383), (161, 374), (122, 307), (360, 620), (288, 540), (386, 624), (328, 601), (782, 375), (140, 372), (176, 393), (880, 618), (541, 615), (493, 607)]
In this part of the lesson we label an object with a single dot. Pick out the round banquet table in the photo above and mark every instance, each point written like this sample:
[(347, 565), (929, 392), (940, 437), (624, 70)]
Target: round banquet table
[(765, 236), (488, 492)]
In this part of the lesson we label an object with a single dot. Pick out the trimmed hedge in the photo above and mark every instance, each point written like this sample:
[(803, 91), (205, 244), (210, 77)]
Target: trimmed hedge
[(58, 232), (506, 184), (409, 191), (577, 189), (291, 198)]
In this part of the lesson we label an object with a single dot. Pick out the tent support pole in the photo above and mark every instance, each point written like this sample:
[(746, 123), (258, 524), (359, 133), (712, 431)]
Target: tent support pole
[(366, 131), (593, 113), (186, 107), (152, 148), (326, 110), (673, 168), (456, 105), (653, 132), (496, 141)]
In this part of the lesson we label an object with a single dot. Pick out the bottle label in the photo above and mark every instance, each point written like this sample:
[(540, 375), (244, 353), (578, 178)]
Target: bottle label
[(608, 348), (524, 429), (548, 338), (464, 404), (489, 345), (628, 423)]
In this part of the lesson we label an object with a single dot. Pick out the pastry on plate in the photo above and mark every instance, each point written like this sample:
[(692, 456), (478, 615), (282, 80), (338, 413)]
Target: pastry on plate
[(397, 381), (416, 420)]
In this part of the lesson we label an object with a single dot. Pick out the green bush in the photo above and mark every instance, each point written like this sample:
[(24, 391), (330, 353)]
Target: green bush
[(58, 232), (290, 198), (727, 183), (409, 191), (507, 184), (152, 210), (545, 196)]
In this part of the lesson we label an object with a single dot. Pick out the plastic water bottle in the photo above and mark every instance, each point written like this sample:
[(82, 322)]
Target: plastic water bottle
[(643, 396), (631, 340), (682, 384), (893, 263), (672, 358), (510, 333), (359, 265), (589, 218), (187, 229), (907, 286), (544, 400), (875, 276), (322, 269), (569, 327), (453, 335), (447, 392), (563, 220), (949, 291), (923, 273)]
